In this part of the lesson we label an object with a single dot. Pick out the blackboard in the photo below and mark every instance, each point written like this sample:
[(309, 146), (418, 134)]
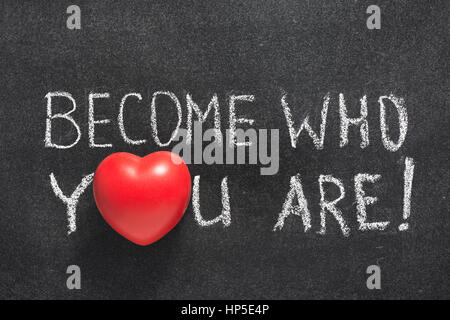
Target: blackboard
[(263, 48)]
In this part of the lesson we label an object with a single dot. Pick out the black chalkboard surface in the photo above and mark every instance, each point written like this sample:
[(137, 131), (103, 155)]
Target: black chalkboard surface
[(301, 49)]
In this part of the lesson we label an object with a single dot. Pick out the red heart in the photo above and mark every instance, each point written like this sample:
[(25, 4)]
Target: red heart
[(142, 198)]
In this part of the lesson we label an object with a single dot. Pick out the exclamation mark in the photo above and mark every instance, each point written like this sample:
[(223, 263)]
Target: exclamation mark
[(408, 179)]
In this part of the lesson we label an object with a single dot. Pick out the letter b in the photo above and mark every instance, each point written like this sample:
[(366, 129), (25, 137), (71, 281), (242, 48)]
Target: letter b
[(66, 116)]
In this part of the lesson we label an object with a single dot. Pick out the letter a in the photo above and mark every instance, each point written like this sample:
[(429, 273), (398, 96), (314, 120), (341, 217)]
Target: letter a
[(74, 20), (374, 280), (74, 280), (374, 20)]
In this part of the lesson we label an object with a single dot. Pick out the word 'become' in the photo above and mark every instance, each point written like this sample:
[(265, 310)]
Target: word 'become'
[(193, 109)]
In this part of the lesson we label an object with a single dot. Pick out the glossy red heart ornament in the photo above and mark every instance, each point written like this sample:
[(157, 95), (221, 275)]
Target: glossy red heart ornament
[(142, 198)]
